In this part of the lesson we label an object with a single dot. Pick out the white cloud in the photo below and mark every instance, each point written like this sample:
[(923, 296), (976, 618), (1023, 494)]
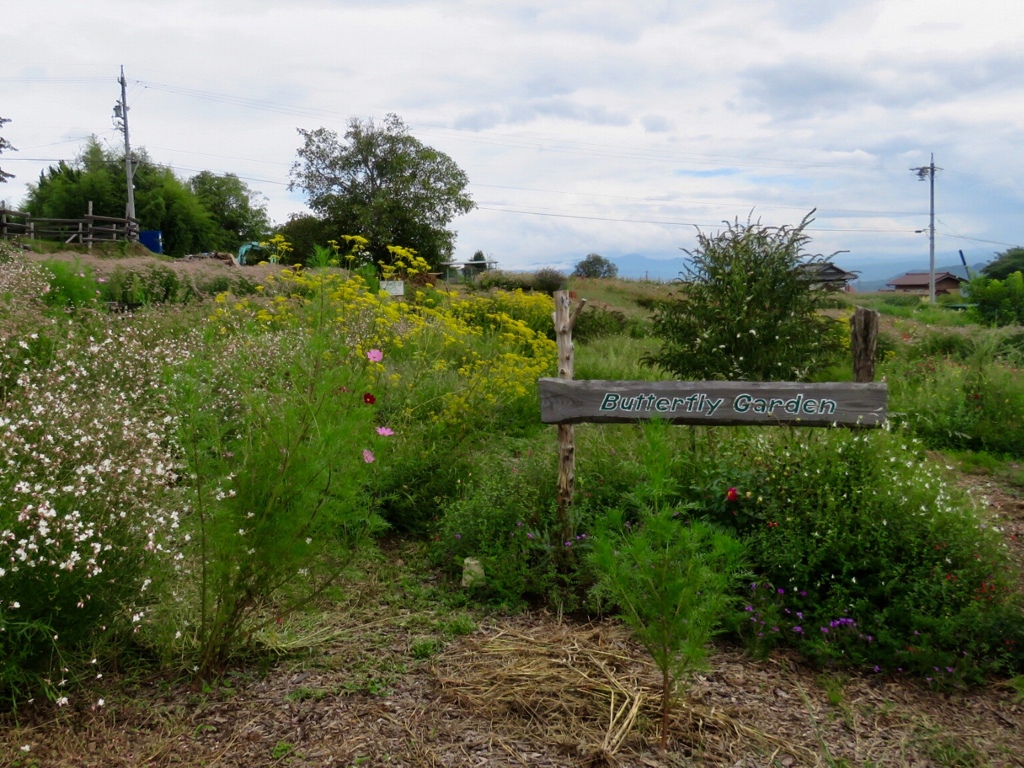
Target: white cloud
[(584, 126)]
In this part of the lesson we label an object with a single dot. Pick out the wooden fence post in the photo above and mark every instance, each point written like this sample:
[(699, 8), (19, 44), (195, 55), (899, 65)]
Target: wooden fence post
[(864, 342), (564, 320), (89, 224)]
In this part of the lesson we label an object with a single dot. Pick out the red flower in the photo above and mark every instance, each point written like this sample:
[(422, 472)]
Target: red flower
[(369, 399), (732, 495)]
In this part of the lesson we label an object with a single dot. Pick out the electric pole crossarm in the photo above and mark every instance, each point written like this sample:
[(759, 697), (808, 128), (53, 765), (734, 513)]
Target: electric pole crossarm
[(928, 172)]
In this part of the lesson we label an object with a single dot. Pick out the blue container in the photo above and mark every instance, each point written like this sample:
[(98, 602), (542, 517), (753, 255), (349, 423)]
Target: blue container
[(152, 239)]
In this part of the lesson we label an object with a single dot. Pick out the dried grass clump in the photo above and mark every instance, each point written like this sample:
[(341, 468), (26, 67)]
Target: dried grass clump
[(583, 689)]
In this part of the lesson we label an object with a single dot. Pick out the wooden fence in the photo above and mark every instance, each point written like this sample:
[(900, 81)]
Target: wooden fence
[(87, 230)]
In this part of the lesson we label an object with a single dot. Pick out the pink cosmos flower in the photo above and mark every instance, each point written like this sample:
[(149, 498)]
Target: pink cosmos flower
[(374, 355), (385, 431), (368, 456)]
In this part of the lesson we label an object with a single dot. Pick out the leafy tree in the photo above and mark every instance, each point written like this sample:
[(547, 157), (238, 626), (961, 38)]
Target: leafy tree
[(5, 144), (237, 211), (748, 310), (1005, 264), (305, 233), (383, 184), (997, 302), (162, 200), (595, 265)]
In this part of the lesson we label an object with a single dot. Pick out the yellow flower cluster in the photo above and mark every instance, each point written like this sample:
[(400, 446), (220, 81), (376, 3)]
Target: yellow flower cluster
[(475, 354), (405, 264)]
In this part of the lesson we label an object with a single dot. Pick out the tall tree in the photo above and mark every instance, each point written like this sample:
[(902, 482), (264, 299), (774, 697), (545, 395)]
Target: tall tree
[(384, 184), (238, 213), (1005, 264), (5, 144), (595, 265)]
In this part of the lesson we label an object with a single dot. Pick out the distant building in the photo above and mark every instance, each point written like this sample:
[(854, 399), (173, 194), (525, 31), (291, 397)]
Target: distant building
[(918, 282), (824, 275)]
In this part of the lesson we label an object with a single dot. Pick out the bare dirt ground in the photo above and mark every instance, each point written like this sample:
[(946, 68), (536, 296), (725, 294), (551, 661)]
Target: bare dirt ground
[(198, 268), (384, 683)]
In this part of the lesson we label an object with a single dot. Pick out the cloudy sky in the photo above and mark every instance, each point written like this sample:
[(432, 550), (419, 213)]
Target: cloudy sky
[(584, 126)]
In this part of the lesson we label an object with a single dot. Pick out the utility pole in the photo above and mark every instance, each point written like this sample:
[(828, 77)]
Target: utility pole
[(121, 123), (928, 171)]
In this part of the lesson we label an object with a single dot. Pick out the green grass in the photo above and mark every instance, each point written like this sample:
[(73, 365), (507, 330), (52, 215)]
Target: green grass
[(627, 296), (617, 358), (923, 312)]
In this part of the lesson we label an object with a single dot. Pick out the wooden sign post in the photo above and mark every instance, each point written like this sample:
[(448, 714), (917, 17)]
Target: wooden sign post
[(565, 319), (713, 403), (565, 402)]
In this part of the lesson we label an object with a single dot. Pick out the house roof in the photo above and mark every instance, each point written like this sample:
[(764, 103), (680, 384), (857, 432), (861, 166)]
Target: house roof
[(827, 272), (922, 279)]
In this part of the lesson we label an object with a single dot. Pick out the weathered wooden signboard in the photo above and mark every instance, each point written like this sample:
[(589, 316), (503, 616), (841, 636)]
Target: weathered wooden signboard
[(720, 403)]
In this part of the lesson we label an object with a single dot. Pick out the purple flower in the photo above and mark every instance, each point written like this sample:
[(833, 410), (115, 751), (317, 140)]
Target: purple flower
[(798, 630), (824, 630), (368, 456), (749, 608), (374, 355), (781, 591)]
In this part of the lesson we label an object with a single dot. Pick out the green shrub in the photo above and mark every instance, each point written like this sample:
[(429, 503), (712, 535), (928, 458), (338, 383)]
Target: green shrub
[(507, 281), (85, 502), (72, 285), (997, 302), (671, 581), (853, 533), (277, 434), (548, 280), (749, 310), (505, 519), (596, 322), (872, 557)]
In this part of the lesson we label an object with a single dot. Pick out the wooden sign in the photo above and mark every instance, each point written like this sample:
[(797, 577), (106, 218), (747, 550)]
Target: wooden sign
[(721, 403)]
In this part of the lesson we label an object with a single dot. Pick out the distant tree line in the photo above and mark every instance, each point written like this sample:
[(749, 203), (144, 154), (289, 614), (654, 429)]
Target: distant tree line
[(208, 212)]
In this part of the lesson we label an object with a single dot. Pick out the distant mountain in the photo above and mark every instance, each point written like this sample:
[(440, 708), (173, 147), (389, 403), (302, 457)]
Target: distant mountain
[(873, 274), (637, 267)]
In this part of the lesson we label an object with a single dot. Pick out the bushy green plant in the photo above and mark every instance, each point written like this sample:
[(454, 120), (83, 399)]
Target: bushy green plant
[(505, 519), (508, 281), (749, 309), (277, 434), (85, 499), (873, 558), (669, 577), (72, 285), (997, 302), (548, 280), (596, 322)]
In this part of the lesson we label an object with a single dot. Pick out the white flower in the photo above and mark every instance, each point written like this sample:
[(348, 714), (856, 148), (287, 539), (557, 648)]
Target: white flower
[(26, 748), (62, 701)]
